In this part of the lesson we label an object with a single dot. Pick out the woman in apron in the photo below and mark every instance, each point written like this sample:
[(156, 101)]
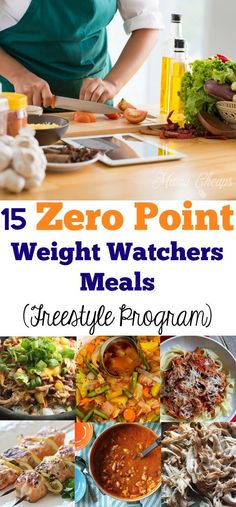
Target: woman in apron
[(56, 47)]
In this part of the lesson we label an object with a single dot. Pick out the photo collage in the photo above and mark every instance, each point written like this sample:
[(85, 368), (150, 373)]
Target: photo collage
[(117, 420)]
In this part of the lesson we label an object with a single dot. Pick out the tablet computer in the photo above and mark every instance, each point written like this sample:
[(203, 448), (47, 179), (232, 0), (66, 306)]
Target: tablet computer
[(124, 149)]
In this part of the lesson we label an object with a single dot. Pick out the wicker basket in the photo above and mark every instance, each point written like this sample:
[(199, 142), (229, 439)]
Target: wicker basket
[(228, 112)]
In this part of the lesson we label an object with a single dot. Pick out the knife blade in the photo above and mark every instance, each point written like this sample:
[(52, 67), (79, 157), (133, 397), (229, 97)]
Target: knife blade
[(83, 105)]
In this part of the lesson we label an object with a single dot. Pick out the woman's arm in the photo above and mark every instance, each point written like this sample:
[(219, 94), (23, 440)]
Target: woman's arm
[(134, 54), (24, 81)]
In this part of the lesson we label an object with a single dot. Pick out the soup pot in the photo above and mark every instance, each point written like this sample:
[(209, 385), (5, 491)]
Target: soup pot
[(93, 457), (110, 341)]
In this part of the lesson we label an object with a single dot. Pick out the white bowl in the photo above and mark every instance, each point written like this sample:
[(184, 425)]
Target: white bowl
[(190, 343)]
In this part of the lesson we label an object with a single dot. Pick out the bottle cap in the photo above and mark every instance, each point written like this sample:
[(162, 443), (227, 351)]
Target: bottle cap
[(179, 44), (176, 18), (16, 101)]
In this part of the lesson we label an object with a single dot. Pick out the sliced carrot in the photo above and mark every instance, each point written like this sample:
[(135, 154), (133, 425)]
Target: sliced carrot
[(146, 393), (84, 401), (129, 415), (82, 117), (53, 102), (90, 347)]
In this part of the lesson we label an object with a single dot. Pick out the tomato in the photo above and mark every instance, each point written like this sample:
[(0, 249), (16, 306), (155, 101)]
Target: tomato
[(82, 117), (135, 115), (123, 105), (113, 116), (223, 58)]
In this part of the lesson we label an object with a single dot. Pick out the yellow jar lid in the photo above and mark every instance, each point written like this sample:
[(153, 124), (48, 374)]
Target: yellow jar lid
[(16, 101)]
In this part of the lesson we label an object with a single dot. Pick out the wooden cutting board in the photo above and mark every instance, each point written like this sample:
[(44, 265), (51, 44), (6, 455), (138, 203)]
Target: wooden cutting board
[(103, 126)]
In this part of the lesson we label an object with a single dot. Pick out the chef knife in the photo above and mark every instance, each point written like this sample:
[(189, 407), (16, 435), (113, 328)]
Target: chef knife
[(82, 105)]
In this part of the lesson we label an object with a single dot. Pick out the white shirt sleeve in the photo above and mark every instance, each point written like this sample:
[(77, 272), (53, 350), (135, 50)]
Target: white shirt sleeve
[(11, 12), (139, 14)]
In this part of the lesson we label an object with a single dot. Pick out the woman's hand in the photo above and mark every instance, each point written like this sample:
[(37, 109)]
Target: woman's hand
[(37, 90), (98, 90)]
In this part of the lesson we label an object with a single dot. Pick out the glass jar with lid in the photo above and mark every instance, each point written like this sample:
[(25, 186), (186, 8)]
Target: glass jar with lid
[(17, 115)]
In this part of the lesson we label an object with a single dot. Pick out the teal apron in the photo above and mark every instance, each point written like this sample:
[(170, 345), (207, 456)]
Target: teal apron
[(61, 41)]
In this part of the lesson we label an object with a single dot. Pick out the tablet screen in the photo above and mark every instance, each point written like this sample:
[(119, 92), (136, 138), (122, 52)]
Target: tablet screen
[(124, 147)]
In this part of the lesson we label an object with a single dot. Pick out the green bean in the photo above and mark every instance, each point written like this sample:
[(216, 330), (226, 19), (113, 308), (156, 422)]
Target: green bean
[(134, 380), (120, 419), (79, 413), (97, 392), (91, 368), (155, 419), (127, 393), (88, 416), (144, 360), (100, 413)]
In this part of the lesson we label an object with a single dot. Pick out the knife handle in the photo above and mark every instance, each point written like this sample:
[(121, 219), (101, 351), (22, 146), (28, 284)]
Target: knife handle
[(52, 105)]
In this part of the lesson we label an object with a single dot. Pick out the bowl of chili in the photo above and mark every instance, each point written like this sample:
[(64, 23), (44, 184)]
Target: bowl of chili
[(116, 468)]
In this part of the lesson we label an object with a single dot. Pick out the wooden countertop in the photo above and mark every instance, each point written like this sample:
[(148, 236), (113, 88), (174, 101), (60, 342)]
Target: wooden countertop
[(206, 172)]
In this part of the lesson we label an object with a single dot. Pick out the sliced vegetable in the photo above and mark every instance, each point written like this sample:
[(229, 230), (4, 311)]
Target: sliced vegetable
[(113, 394), (120, 419), (100, 413), (134, 380), (88, 416), (121, 400), (155, 419), (146, 393), (97, 392), (150, 346), (123, 105), (82, 117), (129, 415), (127, 393), (91, 368), (135, 116), (79, 413), (68, 353), (113, 116), (155, 390)]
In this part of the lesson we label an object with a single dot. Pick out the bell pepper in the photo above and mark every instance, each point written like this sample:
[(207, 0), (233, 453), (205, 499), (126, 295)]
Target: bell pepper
[(113, 394), (121, 400), (155, 390), (149, 346)]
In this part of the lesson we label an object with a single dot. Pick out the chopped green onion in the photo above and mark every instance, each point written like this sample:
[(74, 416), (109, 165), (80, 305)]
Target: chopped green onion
[(52, 363), (68, 354), (35, 382), (41, 365)]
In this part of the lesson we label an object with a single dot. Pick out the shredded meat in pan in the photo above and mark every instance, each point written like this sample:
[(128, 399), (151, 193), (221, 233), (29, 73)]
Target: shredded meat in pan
[(199, 465)]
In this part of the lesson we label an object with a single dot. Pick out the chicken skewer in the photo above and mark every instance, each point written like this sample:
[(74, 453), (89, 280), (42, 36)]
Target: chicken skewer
[(28, 454), (48, 476)]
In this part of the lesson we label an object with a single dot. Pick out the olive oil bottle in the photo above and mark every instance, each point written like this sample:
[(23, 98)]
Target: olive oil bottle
[(176, 32), (177, 70)]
